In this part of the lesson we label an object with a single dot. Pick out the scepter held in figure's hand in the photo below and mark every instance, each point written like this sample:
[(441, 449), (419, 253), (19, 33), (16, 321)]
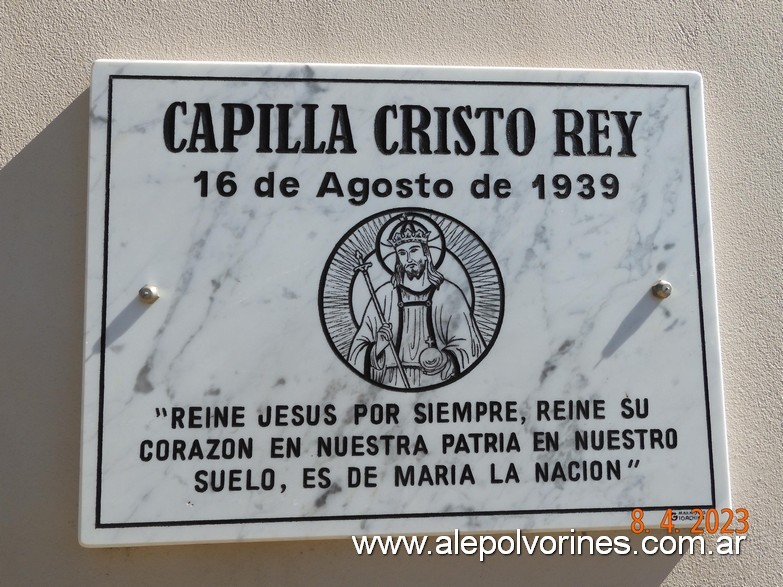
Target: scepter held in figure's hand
[(364, 268)]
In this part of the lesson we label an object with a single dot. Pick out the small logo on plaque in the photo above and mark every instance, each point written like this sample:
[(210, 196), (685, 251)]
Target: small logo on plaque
[(411, 299)]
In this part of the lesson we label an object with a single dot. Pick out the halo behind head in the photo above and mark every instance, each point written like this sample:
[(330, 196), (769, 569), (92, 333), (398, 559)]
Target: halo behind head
[(405, 228)]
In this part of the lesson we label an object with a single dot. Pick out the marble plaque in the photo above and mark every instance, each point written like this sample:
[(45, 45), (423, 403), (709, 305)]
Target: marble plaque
[(334, 300)]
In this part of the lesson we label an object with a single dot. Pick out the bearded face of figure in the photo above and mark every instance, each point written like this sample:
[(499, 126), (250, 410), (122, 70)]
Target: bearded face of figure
[(412, 258)]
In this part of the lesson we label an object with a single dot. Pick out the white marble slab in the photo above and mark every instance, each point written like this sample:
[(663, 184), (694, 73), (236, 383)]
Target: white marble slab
[(529, 303)]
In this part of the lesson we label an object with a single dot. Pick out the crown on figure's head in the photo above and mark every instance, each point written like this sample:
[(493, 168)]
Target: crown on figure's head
[(409, 231)]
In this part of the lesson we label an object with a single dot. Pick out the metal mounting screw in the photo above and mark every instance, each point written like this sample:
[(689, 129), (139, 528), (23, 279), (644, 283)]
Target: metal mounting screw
[(149, 294), (662, 289)]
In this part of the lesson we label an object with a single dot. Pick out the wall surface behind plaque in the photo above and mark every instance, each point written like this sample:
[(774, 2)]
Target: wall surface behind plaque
[(47, 50)]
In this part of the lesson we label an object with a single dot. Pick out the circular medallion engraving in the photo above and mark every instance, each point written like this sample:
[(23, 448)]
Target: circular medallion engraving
[(411, 299)]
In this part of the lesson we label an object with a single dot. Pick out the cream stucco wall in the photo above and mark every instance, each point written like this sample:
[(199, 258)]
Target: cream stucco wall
[(47, 50)]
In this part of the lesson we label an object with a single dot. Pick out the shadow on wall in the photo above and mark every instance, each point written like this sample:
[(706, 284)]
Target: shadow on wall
[(43, 204), (43, 209)]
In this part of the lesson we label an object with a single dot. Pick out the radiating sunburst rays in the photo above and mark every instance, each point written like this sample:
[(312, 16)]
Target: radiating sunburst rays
[(338, 278), (465, 247)]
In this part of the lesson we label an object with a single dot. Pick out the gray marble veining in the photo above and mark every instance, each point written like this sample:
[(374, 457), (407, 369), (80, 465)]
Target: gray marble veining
[(264, 305)]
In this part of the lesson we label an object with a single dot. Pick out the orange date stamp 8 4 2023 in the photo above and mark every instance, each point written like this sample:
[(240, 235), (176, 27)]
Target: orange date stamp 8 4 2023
[(705, 521)]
